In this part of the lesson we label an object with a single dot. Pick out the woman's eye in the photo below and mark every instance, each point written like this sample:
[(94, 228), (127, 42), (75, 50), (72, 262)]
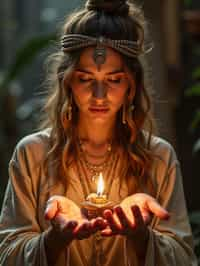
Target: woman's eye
[(81, 79), (118, 80)]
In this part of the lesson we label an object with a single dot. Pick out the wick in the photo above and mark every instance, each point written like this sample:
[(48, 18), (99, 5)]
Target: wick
[(98, 194)]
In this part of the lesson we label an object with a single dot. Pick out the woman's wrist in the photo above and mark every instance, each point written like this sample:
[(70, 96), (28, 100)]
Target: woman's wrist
[(54, 245), (140, 244)]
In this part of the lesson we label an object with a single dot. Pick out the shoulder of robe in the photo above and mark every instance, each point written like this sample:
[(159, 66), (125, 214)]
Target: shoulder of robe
[(164, 163), (32, 147), (164, 151)]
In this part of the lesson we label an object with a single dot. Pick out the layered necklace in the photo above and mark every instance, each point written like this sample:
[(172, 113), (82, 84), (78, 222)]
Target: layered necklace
[(88, 175), (88, 172), (95, 169)]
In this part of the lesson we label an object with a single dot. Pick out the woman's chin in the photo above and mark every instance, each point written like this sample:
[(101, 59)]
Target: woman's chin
[(99, 119), (102, 121)]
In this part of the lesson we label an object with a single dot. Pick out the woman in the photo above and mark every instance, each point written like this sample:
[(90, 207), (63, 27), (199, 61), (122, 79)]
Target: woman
[(97, 115)]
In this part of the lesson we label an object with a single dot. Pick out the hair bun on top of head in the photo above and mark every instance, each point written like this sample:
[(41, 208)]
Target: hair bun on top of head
[(119, 7)]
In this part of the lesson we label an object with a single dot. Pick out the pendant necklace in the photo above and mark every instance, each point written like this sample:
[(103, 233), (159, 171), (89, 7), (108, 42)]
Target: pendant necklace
[(96, 169)]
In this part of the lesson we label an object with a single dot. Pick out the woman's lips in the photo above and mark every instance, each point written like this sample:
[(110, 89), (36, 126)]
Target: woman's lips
[(98, 109)]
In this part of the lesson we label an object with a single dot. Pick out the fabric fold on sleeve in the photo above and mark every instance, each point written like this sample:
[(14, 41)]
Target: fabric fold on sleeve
[(170, 241), (21, 237), (26, 249), (168, 250)]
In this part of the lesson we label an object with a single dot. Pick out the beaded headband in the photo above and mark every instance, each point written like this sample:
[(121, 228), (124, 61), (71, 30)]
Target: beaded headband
[(72, 42)]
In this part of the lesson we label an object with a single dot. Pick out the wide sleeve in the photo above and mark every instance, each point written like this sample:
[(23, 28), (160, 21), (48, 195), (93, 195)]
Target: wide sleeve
[(21, 238), (170, 242)]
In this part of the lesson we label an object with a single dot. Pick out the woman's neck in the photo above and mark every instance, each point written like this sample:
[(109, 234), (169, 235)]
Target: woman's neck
[(94, 132)]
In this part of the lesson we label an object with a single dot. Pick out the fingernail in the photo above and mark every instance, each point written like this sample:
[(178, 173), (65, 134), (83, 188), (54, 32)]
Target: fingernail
[(46, 215), (167, 216), (73, 224)]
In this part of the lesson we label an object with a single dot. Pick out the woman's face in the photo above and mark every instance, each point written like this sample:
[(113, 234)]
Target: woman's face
[(99, 93)]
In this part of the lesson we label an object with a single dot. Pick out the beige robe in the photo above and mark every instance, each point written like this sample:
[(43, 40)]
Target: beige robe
[(22, 223)]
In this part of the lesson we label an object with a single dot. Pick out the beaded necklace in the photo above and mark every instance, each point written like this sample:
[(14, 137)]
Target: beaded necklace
[(109, 176), (96, 169), (90, 185)]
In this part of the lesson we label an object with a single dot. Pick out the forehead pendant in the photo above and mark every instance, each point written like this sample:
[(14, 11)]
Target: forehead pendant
[(99, 55)]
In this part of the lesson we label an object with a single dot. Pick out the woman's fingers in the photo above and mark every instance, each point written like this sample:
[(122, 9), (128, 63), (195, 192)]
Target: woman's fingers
[(53, 206), (51, 209), (126, 227), (129, 227), (99, 224), (146, 215), (156, 209), (138, 219), (107, 232), (118, 222), (69, 228), (74, 230), (83, 231), (124, 221), (88, 228), (112, 222)]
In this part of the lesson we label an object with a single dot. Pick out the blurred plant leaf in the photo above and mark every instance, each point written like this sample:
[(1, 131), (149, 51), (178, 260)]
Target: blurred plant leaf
[(196, 73), (24, 56), (193, 91), (195, 121), (187, 3), (196, 148)]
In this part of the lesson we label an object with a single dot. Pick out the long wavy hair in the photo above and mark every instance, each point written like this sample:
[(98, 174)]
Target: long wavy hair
[(135, 136)]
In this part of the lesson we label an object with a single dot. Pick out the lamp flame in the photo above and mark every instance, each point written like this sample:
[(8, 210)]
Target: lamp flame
[(100, 185)]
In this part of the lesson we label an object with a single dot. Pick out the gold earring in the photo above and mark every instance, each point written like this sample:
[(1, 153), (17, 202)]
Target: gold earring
[(131, 109), (124, 114), (69, 109)]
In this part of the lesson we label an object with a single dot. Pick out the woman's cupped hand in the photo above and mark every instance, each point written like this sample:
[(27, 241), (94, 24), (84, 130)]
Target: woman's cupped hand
[(131, 219), (68, 221), (132, 216)]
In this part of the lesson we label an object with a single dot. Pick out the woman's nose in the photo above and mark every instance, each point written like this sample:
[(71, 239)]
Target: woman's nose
[(99, 89)]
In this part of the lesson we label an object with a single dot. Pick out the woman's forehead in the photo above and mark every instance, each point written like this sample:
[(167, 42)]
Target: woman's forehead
[(113, 60)]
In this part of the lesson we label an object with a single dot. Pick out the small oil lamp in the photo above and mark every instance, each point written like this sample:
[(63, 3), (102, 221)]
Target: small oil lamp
[(96, 203)]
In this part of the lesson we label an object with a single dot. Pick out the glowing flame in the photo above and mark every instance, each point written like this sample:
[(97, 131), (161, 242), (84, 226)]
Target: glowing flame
[(100, 185)]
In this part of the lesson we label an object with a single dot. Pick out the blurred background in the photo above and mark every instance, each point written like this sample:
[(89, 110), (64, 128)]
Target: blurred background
[(28, 33)]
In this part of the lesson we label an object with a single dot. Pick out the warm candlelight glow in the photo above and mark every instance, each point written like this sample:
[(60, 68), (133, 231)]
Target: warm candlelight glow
[(98, 197), (97, 202), (100, 185)]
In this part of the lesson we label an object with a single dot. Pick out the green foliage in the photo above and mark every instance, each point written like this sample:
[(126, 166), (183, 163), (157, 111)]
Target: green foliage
[(196, 120), (196, 147), (194, 90), (187, 3), (24, 56), (9, 128), (196, 73)]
